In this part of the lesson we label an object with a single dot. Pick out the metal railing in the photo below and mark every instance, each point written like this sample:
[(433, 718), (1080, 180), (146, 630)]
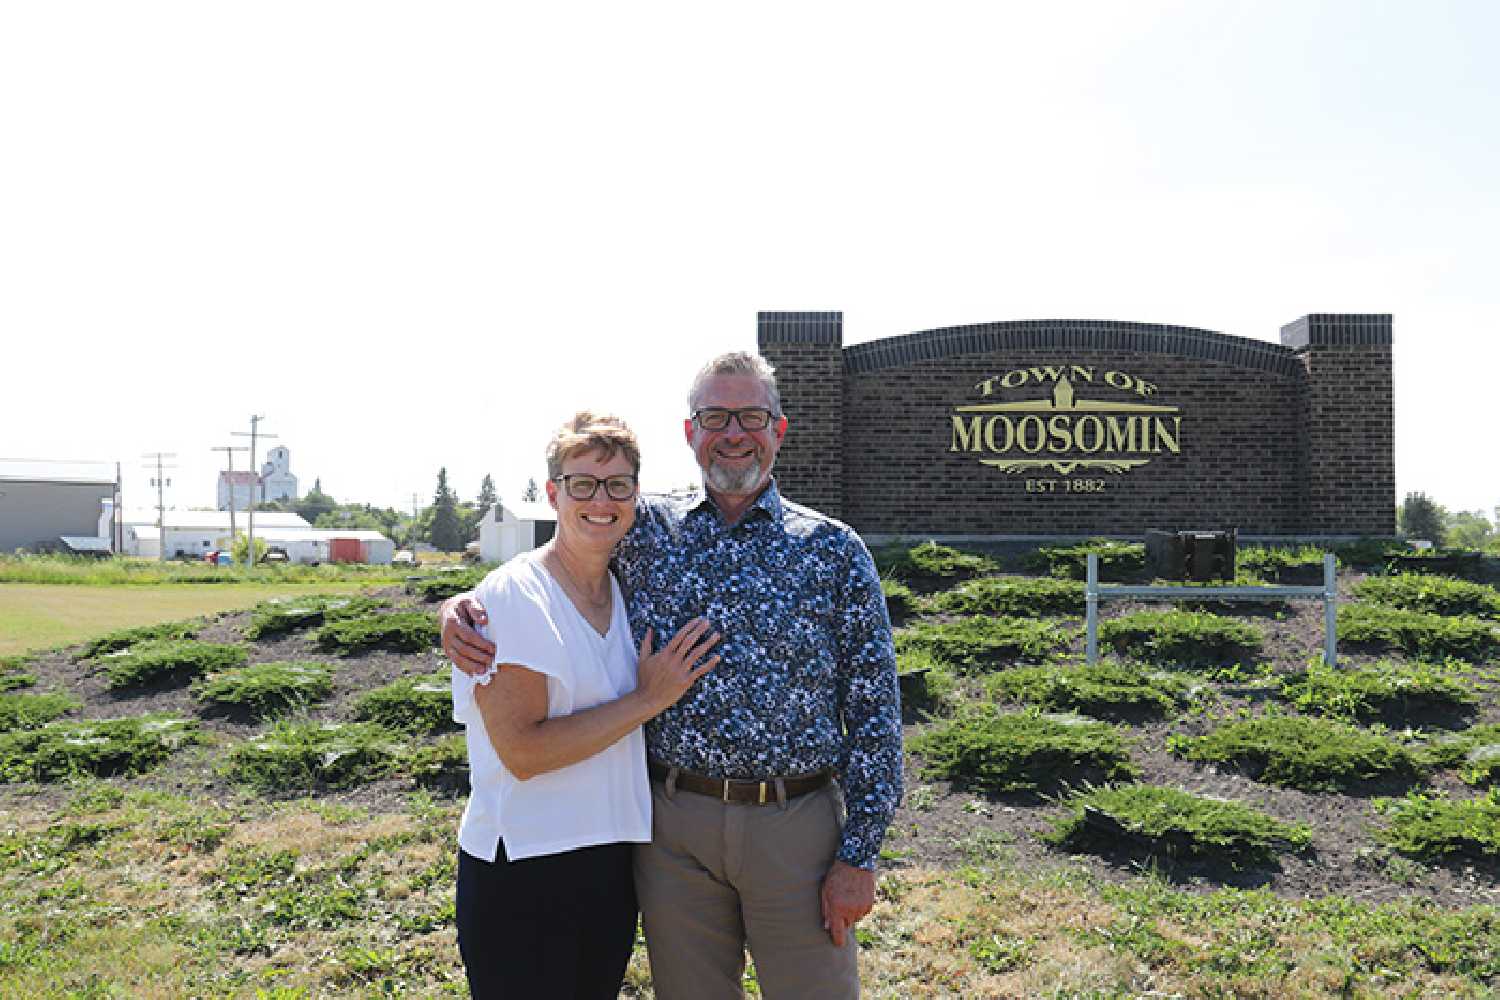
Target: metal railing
[(1327, 593)]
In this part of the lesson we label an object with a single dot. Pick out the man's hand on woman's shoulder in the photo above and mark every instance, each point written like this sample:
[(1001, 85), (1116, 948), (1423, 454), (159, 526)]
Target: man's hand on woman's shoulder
[(460, 616)]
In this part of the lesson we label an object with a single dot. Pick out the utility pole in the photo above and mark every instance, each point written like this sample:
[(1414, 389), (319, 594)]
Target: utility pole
[(117, 519), (161, 483), (229, 450), (411, 536), (255, 434)]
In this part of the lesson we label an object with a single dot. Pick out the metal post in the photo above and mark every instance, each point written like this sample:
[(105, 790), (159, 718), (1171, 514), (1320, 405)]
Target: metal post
[(1330, 613), (1091, 603)]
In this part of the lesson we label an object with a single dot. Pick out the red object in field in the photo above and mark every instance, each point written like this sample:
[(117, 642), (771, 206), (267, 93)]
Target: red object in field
[(349, 550)]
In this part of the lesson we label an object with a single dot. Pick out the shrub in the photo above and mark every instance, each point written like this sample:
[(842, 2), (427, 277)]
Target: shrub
[(304, 755), (287, 614), (102, 747), (1418, 632), (1475, 753), (1106, 689), (28, 711), (926, 684), (1432, 827), (1440, 595), (1303, 563), (403, 631), (900, 600), (13, 673), (1022, 751), (443, 585), (443, 764), (1117, 560), (976, 644), (169, 659), (1174, 823), (930, 561), (1311, 754), (1386, 690), (414, 704), (127, 637), (1180, 636), (1368, 553), (267, 688), (997, 595)]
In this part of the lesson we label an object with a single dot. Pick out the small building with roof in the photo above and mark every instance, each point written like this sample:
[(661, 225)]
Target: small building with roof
[(508, 529), (42, 502)]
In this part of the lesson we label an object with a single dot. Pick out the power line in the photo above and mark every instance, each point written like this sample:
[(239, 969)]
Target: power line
[(161, 483), (255, 434), (229, 451)]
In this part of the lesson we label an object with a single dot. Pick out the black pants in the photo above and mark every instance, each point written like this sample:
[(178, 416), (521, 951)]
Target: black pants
[(561, 925)]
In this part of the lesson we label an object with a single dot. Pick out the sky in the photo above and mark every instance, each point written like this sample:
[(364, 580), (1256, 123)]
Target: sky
[(420, 236)]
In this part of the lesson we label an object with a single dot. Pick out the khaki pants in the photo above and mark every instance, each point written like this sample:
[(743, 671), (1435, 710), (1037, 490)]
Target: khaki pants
[(718, 876)]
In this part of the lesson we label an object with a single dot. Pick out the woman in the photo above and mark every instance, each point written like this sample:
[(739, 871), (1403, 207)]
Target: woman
[(546, 902)]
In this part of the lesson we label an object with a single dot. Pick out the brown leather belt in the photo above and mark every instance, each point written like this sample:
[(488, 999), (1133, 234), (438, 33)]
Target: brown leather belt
[(755, 791)]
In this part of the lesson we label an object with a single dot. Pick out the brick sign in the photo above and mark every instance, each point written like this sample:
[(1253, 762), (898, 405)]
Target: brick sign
[(1083, 427)]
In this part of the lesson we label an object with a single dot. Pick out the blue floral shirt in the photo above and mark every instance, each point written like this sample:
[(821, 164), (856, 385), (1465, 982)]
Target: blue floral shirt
[(808, 675)]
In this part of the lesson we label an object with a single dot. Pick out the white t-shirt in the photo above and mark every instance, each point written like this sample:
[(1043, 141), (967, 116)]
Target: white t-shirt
[(602, 800)]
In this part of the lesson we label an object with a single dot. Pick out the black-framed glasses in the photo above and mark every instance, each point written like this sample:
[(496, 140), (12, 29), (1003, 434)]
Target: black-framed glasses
[(581, 486), (716, 418)]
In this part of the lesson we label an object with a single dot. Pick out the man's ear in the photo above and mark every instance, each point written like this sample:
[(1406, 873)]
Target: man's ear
[(687, 431), (781, 426)]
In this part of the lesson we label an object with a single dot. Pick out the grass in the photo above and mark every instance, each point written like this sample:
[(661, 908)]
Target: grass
[(1117, 560), (101, 747), (1310, 754), (985, 749), (1418, 632), (1386, 691), (281, 615), (1439, 595), (45, 616), (1180, 637), (900, 600), (412, 704), (401, 631), (1433, 827), (127, 571), (929, 561), (1107, 690), (1474, 753), (442, 764), (1012, 595), (441, 586), (169, 659), (264, 689), (976, 644), (122, 639), (1172, 823), (303, 755), (14, 673)]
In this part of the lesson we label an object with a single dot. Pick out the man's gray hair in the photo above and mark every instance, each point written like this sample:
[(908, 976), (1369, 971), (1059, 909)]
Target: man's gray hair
[(738, 363)]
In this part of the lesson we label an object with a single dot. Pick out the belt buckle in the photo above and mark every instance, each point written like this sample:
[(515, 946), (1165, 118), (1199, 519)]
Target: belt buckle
[(726, 789), (762, 793)]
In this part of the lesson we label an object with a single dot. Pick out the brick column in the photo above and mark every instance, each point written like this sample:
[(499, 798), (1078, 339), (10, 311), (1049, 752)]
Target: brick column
[(807, 350), (1347, 461)]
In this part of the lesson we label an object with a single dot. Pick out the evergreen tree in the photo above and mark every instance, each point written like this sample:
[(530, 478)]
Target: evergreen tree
[(315, 504), (487, 498), (445, 533), (532, 494), (1421, 518)]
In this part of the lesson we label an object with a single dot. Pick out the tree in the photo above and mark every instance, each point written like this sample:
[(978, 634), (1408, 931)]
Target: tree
[(1469, 529), (445, 533), (532, 494), (487, 497), (315, 504), (240, 548), (1421, 518)]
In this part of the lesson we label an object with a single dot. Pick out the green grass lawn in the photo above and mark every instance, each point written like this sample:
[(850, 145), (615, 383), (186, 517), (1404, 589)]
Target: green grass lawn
[(39, 616)]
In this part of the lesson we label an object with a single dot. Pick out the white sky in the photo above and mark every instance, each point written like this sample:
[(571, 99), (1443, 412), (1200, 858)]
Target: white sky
[(421, 235)]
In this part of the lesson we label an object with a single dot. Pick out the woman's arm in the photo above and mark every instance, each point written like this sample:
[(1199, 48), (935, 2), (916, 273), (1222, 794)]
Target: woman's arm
[(514, 706)]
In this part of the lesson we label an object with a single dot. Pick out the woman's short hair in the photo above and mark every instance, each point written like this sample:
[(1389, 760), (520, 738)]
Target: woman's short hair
[(586, 432), (738, 363)]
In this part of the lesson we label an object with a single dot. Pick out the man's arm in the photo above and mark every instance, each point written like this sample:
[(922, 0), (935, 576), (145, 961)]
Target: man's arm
[(870, 704), (461, 615)]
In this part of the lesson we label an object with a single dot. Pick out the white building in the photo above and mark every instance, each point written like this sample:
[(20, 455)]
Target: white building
[(509, 529), (196, 532), (275, 482)]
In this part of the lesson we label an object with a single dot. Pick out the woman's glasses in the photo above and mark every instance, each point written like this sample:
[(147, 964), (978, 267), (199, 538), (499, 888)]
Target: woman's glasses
[(581, 486)]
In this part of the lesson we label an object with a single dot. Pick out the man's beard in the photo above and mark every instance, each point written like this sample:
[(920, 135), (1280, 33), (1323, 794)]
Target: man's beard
[(735, 482)]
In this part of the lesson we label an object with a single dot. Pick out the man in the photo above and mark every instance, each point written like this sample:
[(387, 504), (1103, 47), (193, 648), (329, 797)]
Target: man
[(747, 847)]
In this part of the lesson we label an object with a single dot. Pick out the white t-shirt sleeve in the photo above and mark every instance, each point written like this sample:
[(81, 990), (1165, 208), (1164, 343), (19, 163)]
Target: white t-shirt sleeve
[(524, 633)]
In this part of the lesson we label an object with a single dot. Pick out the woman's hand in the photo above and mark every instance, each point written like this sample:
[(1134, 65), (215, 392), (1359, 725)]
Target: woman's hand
[(664, 676)]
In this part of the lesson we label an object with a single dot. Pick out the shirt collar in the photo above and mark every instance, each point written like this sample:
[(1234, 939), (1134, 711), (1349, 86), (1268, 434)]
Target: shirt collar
[(769, 501)]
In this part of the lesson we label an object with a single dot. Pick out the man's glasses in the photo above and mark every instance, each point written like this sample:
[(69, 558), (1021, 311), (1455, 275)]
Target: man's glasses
[(580, 486), (716, 418)]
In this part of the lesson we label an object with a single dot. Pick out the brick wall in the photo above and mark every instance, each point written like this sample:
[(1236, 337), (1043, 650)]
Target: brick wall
[(1275, 439)]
